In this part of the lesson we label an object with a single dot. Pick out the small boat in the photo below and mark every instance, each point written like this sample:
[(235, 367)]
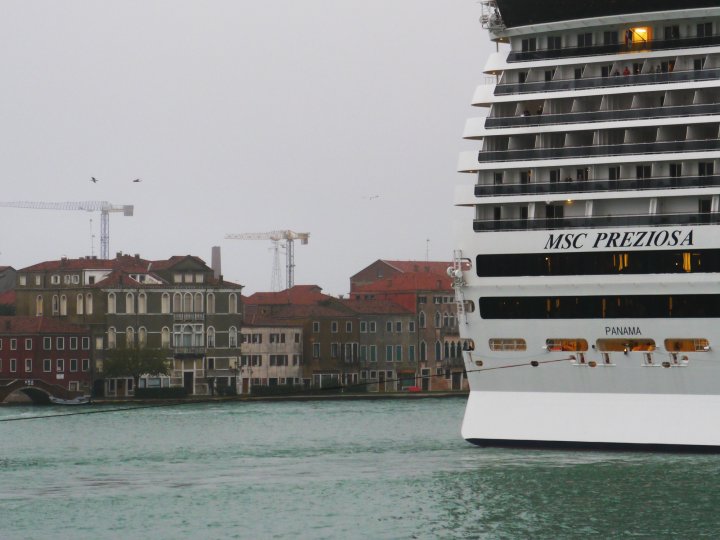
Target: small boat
[(80, 400)]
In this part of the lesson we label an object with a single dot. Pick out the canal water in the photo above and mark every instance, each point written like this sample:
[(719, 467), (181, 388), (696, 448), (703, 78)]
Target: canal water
[(349, 469)]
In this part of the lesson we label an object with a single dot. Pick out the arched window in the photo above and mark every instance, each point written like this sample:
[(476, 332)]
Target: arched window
[(165, 337), (111, 302), (438, 319), (447, 349), (39, 305), (165, 303), (211, 337), (446, 320), (232, 303), (188, 303), (89, 303), (198, 302), (112, 336), (129, 303), (438, 350), (211, 303), (421, 319), (63, 304), (177, 303), (55, 304), (79, 304), (142, 303), (423, 351), (129, 337), (232, 337), (454, 350), (142, 337)]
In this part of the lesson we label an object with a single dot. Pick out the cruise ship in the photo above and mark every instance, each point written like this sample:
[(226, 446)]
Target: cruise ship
[(587, 274)]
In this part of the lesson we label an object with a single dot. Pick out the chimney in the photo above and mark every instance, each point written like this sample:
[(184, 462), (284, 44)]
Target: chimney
[(215, 262)]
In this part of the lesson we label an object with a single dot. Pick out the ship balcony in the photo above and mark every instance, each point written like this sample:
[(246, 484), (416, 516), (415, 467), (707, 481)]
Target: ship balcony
[(595, 116), (597, 82), (617, 48), (587, 222), (584, 186), (662, 147)]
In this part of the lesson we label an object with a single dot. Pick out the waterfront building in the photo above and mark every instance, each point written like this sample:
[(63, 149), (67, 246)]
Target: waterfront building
[(425, 290), (271, 355), (175, 304), (41, 355)]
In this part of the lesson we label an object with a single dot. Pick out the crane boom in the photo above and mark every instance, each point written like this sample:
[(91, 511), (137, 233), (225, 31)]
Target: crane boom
[(277, 236), (104, 207)]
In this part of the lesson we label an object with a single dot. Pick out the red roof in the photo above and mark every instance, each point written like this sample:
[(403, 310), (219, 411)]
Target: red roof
[(433, 267), (375, 307), (39, 325), (410, 282), (299, 294)]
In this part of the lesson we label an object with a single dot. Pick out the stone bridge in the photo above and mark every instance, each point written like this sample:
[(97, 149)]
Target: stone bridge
[(37, 390)]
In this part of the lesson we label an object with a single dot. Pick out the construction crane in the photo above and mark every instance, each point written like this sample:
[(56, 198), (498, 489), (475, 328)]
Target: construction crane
[(104, 207), (288, 237)]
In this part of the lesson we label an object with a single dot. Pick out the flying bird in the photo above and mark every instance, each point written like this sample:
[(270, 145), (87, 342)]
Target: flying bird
[(137, 180), (93, 180)]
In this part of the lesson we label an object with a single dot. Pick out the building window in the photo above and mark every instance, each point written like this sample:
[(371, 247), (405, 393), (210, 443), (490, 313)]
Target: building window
[(59, 365), (398, 353), (177, 303), (211, 337), (13, 365), (187, 303), (334, 327), (63, 305), (142, 337), (334, 350), (73, 342), (211, 303), (316, 327), (112, 338), (129, 337), (85, 343), (199, 303), (88, 303), (73, 364), (411, 353), (47, 343), (363, 353), (421, 319), (22, 280), (142, 303), (111, 303), (55, 304), (316, 350), (165, 303), (372, 327), (13, 344), (39, 306), (28, 344), (232, 337), (165, 337), (348, 326), (55, 279), (86, 364), (411, 326), (388, 326), (363, 327), (438, 320), (373, 353), (28, 365), (438, 350), (232, 303), (423, 351), (398, 326), (47, 365)]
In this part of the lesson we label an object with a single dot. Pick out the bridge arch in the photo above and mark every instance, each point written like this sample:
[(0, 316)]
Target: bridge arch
[(38, 396)]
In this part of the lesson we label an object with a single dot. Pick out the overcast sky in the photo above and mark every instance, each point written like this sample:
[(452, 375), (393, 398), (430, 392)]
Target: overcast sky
[(238, 116)]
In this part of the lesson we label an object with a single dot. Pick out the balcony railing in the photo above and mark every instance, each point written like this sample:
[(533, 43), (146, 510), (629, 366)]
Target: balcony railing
[(581, 186), (616, 48), (602, 116), (606, 82), (189, 316), (189, 349), (600, 150), (480, 225)]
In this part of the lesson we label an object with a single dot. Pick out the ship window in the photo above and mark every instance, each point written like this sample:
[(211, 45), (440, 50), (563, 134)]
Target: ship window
[(704, 29), (687, 345), (549, 74), (529, 44), (672, 32), (555, 175), (625, 344), (525, 177), (641, 34), (522, 76), (698, 64), (498, 178), (643, 171), (566, 344), (675, 170), (578, 73), (614, 173), (584, 40), (554, 42), (704, 206), (706, 169), (507, 344), (610, 37)]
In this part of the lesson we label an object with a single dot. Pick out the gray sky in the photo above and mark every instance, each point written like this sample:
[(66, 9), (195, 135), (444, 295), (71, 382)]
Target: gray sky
[(239, 117)]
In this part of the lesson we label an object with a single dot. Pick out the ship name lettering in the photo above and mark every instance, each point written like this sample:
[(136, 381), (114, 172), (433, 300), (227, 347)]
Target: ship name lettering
[(623, 331), (634, 239), (566, 241)]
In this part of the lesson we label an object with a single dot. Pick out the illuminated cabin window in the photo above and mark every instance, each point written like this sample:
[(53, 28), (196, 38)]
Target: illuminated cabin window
[(625, 345), (638, 36), (687, 345), (508, 344), (566, 344)]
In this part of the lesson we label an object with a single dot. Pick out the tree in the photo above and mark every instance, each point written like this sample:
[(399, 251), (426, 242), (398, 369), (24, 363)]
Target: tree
[(135, 362)]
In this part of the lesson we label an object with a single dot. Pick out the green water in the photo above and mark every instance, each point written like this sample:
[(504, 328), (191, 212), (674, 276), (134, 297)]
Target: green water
[(356, 469)]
